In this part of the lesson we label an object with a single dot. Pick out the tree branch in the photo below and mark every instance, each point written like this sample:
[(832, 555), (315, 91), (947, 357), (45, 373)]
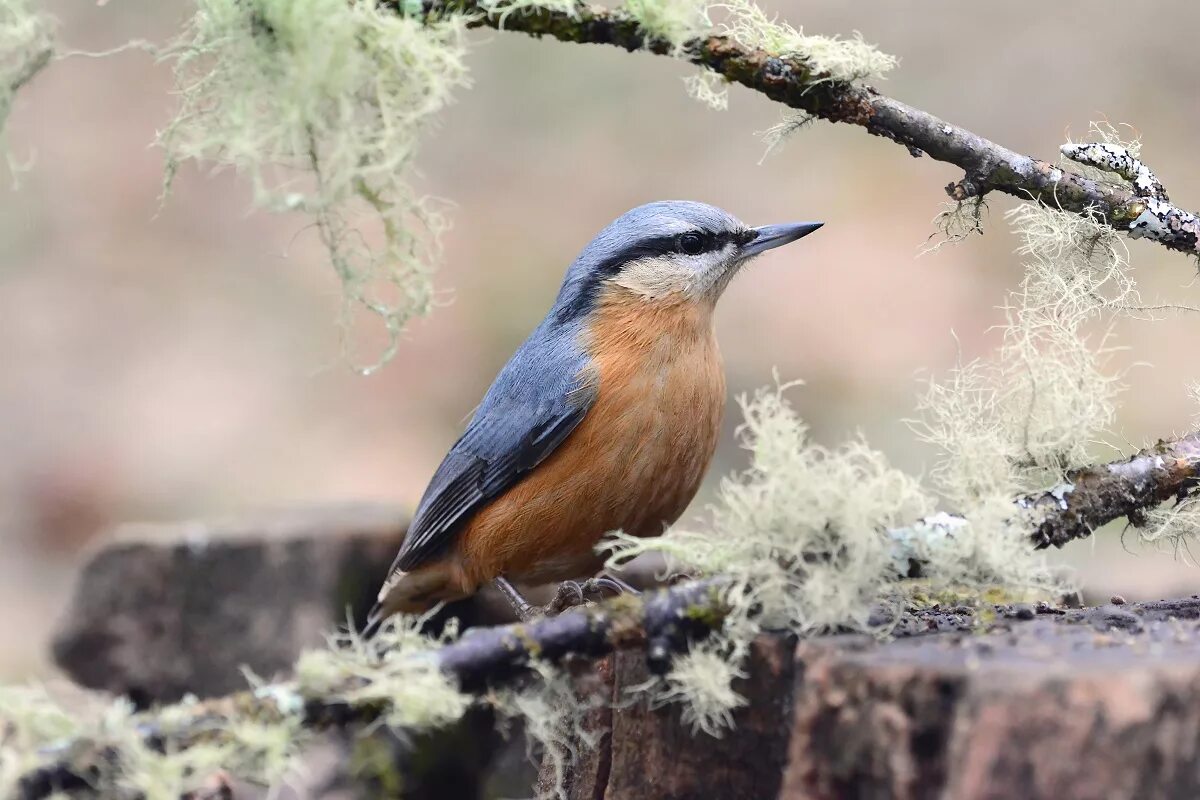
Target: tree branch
[(1088, 498), (1094, 496), (792, 81)]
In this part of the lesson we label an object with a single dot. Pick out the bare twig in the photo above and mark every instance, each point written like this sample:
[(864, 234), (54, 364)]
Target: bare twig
[(791, 80)]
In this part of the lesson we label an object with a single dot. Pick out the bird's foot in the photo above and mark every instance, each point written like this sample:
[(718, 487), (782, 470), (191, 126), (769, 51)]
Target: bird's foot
[(568, 595), (573, 593)]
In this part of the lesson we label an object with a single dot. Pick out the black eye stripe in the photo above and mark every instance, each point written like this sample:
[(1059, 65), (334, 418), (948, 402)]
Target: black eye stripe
[(650, 247)]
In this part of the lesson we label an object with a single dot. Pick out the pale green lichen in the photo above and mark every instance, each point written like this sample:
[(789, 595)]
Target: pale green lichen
[(802, 528), (26, 46), (29, 720), (259, 742), (413, 693), (321, 103), (506, 8), (801, 536), (1016, 422), (672, 21), (1174, 529), (834, 58), (701, 681)]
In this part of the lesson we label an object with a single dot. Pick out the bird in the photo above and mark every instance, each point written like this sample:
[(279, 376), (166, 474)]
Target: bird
[(605, 418)]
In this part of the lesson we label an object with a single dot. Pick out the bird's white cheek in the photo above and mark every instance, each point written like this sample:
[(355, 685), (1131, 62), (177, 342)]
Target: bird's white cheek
[(658, 277), (654, 277)]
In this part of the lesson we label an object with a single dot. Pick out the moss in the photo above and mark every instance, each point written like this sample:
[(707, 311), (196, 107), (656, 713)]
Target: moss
[(373, 762), (530, 644), (711, 614)]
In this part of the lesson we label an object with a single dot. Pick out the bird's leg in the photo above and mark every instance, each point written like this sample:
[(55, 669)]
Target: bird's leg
[(524, 610)]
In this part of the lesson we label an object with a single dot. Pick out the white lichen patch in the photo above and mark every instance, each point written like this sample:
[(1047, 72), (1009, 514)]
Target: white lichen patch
[(321, 104), (708, 88), (1111, 138), (849, 59), (1117, 160), (26, 46), (672, 21)]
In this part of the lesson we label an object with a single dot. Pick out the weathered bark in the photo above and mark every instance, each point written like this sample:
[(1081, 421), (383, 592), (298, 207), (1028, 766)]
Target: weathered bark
[(642, 753), (1092, 703), (1103, 703), (167, 610)]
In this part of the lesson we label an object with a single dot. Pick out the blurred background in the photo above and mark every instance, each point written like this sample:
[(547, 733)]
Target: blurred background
[(159, 364)]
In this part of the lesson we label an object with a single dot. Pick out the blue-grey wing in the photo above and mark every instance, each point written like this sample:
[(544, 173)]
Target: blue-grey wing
[(530, 411)]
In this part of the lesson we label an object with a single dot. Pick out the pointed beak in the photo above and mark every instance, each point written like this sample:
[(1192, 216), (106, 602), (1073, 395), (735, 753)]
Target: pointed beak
[(768, 237)]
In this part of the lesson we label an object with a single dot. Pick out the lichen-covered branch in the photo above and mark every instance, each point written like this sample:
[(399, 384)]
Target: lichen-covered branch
[(1089, 497), (660, 621), (663, 622), (794, 82), (1093, 496)]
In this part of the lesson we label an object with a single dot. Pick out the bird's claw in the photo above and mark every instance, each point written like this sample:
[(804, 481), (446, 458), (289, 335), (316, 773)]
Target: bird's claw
[(567, 595), (573, 593)]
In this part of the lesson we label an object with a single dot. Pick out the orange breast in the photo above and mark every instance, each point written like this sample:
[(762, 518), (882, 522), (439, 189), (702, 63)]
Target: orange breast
[(636, 459)]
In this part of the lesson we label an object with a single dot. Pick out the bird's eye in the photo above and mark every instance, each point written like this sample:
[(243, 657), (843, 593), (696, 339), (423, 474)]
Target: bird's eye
[(691, 243)]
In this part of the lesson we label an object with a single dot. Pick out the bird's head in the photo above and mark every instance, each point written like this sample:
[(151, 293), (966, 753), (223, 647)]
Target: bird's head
[(674, 249)]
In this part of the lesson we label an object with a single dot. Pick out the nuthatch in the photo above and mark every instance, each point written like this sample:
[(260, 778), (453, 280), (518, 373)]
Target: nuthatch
[(605, 418)]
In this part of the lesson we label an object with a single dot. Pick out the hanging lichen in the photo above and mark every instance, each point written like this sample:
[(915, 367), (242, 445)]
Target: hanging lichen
[(322, 103), (26, 47)]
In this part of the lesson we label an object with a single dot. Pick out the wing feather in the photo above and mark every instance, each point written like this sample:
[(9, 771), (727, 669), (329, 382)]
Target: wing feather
[(502, 444)]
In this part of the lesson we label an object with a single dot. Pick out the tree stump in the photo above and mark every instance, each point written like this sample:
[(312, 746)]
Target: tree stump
[(166, 610), (1091, 703)]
